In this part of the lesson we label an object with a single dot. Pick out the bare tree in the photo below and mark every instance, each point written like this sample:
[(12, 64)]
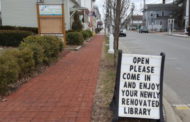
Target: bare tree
[(117, 11), (108, 14)]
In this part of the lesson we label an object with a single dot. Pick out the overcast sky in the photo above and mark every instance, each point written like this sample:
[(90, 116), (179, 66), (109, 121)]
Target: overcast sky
[(138, 4)]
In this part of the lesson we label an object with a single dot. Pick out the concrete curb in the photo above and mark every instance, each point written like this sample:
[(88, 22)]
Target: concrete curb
[(74, 49), (179, 35), (80, 46), (77, 48), (170, 115)]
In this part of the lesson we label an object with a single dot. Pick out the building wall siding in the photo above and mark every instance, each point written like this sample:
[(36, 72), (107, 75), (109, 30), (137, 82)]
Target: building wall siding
[(153, 23), (87, 4), (23, 12), (19, 13)]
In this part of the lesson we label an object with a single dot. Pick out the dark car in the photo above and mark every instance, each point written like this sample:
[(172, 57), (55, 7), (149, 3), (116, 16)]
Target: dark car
[(122, 34), (143, 29)]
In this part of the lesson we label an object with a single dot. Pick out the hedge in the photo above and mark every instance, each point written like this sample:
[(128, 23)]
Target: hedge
[(85, 34), (51, 46), (188, 30), (90, 34), (31, 29), (9, 72), (75, 38), (38, 52), (32, 53), (12, 37), (24, 59)]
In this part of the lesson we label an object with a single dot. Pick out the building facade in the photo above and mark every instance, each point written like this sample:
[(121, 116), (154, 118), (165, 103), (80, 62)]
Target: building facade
[(134, 22), (155, 16), (24, 12)]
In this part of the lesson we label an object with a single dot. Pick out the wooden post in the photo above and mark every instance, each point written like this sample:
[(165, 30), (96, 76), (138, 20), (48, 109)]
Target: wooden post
[(63, 24), (38, 18)]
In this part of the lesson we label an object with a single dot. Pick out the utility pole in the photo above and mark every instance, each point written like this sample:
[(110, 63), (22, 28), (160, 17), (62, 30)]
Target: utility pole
[(189, 13), (132, 10), (164, 1), (187, 18), (144, 16)]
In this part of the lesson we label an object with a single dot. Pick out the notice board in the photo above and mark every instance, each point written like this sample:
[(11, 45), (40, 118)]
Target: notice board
[(51, 19)]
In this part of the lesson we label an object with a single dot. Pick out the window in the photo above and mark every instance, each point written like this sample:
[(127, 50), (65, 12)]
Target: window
[(160, 22), (162, 13)]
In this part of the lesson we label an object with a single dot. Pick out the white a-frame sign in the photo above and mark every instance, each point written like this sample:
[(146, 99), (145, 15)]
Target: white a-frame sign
[(139, 87)]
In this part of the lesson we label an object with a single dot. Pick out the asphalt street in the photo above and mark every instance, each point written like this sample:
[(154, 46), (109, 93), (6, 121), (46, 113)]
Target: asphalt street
[(177, 65)]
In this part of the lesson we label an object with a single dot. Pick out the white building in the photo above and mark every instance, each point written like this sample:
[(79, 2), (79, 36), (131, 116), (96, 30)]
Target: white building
[(135, 21), (156, 16), (24, 12)]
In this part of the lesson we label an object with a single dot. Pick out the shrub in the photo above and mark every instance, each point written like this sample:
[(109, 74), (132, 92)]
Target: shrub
[(34, 51), (75, 38), (9, 72), (38, 52), (85, 34), (97, 30), (12, 37), (31, 29), (77, 25), (188, 30), (68, 31), (24, 59), (90, 34), (51, 46)]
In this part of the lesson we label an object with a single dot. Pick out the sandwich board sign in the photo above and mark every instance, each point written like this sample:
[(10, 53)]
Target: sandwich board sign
[(139, 86)]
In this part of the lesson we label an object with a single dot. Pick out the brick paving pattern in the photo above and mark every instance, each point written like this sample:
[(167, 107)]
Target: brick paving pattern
[(63, 93)]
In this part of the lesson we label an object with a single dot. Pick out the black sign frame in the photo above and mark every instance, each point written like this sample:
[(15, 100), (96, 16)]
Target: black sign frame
[(115, 100)]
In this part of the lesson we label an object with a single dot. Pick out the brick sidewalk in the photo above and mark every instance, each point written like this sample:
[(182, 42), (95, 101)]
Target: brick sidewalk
[(63, 93)]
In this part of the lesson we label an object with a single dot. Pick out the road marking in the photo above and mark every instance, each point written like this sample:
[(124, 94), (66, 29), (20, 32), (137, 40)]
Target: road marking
[(182, 106)]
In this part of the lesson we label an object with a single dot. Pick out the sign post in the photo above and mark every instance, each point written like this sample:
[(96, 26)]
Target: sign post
[(139, 87)]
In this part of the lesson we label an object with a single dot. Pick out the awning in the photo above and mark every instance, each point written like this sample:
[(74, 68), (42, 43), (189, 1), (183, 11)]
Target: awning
[(78, 9)]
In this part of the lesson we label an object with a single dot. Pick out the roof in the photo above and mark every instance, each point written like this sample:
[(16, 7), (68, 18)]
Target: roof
[(75, 2), (78, 8), (157, 7)]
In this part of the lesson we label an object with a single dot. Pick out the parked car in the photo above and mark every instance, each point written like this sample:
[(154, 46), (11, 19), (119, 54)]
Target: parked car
[(122, 33), (143, 29)]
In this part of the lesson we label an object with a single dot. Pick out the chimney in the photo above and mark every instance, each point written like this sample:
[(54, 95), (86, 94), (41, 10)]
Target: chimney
[(164, 1)]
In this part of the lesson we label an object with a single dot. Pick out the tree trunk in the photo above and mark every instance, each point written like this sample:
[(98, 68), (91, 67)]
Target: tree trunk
[(117, 28)]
